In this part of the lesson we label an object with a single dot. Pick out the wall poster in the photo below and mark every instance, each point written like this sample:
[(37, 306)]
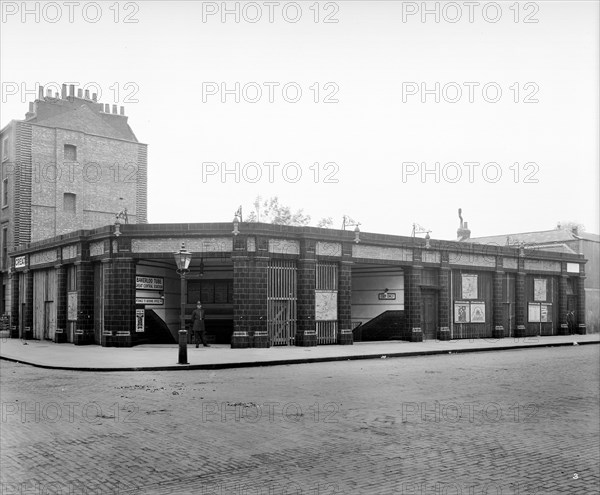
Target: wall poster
[(72, 306), (140, 317), (540, 289), (461, 312), (478, 312), (533, 313), (469, 286), (325, 305)]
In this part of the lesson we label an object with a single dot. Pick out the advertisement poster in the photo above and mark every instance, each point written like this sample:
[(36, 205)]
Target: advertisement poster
[(478, 312), (140, 317), (325, 305), (72, 306), (539, 289), (533, 313), (469, 286), (461, 312)]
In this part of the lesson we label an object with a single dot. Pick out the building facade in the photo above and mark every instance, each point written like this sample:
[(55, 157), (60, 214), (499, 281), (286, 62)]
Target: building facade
[(566, 240), (266, 285), (72, 163)]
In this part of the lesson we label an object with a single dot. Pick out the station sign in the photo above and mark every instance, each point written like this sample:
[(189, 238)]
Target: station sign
[(387, 296), (153, 301), (20, 262), (149, 283)]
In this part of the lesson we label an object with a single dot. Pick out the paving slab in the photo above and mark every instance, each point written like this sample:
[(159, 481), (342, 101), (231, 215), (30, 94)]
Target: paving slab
[(164, 357)]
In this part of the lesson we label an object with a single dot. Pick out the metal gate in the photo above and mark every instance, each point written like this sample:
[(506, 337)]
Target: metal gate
[(281, 302), (327, 280)]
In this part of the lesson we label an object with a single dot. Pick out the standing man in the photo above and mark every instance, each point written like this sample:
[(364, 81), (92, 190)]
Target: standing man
[(198, 325)]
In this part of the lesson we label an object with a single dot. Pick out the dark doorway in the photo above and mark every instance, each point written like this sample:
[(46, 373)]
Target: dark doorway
[(429, 315)]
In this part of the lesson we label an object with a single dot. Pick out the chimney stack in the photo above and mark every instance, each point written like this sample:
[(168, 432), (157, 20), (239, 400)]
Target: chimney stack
[(48, 93), (122, 112), (72, 91), (64, 92), (114, 109), (79, 93), (87, 94), (463, 233), (41, 93), (106, 108), (95, 97)]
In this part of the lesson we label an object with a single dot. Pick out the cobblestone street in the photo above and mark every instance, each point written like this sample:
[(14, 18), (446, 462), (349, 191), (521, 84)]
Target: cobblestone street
[(510, 422)]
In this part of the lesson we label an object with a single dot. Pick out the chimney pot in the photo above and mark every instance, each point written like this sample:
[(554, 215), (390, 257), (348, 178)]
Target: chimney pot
[(114, 109), (41, 92), (122, 112), (79, 93)]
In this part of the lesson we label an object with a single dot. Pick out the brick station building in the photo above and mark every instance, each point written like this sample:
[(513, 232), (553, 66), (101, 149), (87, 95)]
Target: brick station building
[(281, 285)]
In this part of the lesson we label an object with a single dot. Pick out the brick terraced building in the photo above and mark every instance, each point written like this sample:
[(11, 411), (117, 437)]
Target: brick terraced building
[(71, 164), (279, 285)]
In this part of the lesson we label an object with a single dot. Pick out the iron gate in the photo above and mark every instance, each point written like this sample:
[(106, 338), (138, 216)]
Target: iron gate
[(327, 279), (281, 302)]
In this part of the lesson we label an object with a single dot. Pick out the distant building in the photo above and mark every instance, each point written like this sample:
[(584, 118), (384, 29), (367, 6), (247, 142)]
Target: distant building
[(71, 164), (563, 240)]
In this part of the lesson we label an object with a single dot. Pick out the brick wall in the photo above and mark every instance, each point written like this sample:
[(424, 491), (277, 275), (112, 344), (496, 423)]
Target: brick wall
[(119, 296), (250, 293)]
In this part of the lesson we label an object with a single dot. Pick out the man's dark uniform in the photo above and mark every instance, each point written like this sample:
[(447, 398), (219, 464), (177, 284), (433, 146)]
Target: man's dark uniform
[(198, 327)]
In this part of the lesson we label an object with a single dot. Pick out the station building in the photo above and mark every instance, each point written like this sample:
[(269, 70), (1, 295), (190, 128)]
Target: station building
[(70, 164), (266, 285)]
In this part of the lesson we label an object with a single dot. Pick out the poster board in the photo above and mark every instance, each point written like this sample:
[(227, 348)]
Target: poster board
[(462, 313), (540, 289), (72, 306), (140, 320), (325, 305), (478, 312), (469, 286)]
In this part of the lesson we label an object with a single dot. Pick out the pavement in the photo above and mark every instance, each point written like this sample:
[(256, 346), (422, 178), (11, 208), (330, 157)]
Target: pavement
[(517, 422), (47, 354)]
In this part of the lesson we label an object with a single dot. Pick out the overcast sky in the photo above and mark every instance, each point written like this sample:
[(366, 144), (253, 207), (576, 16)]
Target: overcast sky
[(370, 132)]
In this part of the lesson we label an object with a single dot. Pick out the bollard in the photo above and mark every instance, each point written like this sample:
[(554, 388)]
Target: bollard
[(183, 338)]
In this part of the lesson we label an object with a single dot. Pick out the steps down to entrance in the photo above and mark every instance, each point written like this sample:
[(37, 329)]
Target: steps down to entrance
[(389, 325)]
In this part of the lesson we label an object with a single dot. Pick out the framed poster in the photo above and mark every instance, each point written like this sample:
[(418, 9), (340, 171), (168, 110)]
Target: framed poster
[(461, 312), (546, 313), (72, 306), (478, 312), (469, 286), (140, 320), (540, 289), (325, 305), (533, 313)]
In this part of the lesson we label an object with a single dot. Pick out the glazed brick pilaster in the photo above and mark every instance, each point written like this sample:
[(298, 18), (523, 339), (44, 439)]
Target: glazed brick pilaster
[(119, 301), (28, 316), (250, 293), (520, 305), (306, 299), (14, 301), (582, 329), (412, 303), (498, 307), (563, 328), (444, 303), (61, 297)]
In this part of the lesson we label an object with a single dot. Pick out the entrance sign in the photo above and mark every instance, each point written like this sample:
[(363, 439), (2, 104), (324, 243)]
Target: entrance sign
[(155, 301), (149, 283)]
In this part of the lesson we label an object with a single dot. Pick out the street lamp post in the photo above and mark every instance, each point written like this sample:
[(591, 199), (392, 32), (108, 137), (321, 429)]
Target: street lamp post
[(182, 259)]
